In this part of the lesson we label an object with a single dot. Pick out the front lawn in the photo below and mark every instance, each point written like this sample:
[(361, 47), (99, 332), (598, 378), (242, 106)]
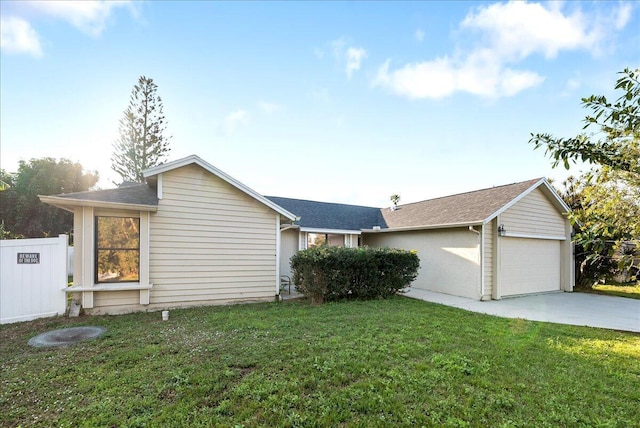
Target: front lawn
[(397, 362), (630, 290), (611, 288)]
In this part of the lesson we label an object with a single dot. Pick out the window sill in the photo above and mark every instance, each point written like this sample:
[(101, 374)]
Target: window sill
[(108, 287)]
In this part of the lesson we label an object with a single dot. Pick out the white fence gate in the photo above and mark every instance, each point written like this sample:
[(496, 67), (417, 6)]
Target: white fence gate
[(32, 278)]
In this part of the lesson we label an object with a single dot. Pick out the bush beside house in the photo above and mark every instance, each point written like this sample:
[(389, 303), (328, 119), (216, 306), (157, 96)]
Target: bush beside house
[(327, 273)]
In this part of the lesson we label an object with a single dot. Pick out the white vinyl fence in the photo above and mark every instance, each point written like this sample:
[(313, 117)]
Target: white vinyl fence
[(33, 274)]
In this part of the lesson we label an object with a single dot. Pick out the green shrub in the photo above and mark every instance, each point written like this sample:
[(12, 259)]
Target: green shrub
[(327, 273)]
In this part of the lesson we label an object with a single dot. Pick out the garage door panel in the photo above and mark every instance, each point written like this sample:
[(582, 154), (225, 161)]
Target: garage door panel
[(529, 266)]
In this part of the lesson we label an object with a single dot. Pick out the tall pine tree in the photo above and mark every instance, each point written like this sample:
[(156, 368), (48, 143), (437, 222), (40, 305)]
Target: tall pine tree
[(141, 144)]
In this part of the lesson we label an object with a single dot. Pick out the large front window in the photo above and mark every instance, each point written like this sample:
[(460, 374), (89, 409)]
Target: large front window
[(331, 239), (117, 249)]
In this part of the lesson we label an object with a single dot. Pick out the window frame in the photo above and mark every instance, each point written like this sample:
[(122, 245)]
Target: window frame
[(326, 239), (97, 249)]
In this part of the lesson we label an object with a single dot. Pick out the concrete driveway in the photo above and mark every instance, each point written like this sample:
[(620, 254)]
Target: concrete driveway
[(584, 309)]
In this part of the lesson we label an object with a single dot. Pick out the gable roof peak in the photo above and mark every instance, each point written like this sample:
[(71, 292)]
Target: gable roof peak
[(475, 207), (194, 159)]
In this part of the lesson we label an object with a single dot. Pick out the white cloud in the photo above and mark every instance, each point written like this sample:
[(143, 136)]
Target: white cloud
[(441, 78), (18, 37), (515, 30), (235, 119), (350, 56), (622, 16), (88, 16), (19, 33), (354, 59), (513, 81), (500, 36), (268, 107), (419, 35), (433, 79)]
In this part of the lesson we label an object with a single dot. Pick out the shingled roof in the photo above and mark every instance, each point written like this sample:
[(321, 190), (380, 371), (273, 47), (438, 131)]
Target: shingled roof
[(326, 215), (130, 194), (464, 208)]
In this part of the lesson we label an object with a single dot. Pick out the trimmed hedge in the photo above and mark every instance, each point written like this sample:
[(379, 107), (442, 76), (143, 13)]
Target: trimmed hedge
[(327, 273)]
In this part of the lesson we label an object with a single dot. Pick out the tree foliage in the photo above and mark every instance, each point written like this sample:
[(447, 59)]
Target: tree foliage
[(606, 212), (605, 201), (141, 143), (616, 142), (22, 213)]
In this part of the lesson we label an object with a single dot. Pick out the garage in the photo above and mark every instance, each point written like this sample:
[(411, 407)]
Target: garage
[(487, 244), (529, 266)]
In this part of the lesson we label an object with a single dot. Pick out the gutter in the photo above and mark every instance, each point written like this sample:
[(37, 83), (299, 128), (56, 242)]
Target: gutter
[(65, 203), (481, 235), (427, 227)]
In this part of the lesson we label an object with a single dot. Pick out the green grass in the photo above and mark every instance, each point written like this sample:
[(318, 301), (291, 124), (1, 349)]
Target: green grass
[(631, 291), (398, 362)]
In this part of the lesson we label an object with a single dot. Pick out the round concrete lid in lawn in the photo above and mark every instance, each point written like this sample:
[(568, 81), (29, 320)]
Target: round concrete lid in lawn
[(66, 336)]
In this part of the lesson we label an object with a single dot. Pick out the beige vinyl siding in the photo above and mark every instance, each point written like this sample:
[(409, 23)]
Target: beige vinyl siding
[(102, 299), (449, 258), (210, 242), (487, 259), (534, 215)]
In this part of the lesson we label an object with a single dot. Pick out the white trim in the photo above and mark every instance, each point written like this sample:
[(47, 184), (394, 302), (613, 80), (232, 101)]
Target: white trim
[(557, 200), (285, 227), (109, 287), (160, 186), (144, 252), (220, 174), (333, 231), (278, 244), (497, 261), (434, 226), (529, 236), (64, 203), (82, 250), (481, 254), (482, 260)]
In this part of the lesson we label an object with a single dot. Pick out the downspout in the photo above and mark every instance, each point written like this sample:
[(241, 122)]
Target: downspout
[(481, 235), (278, 233), (81, 279)]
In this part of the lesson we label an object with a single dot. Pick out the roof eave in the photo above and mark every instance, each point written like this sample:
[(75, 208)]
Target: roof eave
[(69, 204), (425, 227), (327, 230)]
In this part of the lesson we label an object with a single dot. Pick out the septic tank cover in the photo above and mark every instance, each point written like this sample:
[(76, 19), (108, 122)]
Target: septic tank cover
[(66, 336)]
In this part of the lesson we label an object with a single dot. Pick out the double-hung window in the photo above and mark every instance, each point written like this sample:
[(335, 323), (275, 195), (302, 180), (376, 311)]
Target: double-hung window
[(117, 249)]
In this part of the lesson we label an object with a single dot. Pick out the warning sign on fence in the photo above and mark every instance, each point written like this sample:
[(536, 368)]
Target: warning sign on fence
[(28, 258)]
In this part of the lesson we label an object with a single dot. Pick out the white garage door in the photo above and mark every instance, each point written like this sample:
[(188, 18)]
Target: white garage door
[(529, 266)]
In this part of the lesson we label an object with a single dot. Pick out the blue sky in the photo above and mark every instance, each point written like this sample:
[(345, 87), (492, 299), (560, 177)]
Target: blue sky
[(342, 102)]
